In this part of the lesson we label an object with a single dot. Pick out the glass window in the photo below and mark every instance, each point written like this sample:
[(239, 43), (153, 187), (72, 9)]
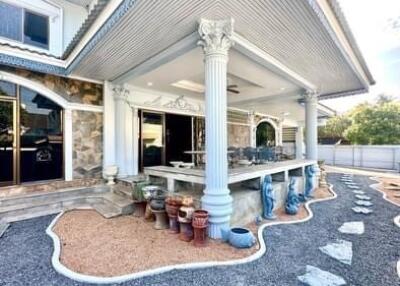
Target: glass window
[(11, 22), (36, 30), (7, 89), (41, 138)]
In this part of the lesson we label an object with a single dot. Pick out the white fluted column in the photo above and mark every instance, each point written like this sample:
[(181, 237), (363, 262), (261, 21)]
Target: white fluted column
[(135, 141), (121, 126), (216, 41), (311, 101), (253, 130), (108, 126), (299, 142)]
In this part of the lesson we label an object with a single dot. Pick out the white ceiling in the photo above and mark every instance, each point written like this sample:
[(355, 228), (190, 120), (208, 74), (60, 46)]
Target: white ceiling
[(290, 31), (253, 80)]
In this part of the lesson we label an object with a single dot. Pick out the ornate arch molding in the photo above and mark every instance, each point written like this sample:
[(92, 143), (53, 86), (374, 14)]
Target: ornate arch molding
[(275, 124), (43, 90)]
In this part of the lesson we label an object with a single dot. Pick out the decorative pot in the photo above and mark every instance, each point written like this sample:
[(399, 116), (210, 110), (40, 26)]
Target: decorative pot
[(157, 203), (186, 231), (199, 223), (200, 219), (110, 172), (139, 208), (185, 214), (241, 237), (173, 224)]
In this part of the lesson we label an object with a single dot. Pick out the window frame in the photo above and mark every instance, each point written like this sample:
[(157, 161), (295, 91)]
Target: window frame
[(23, 27)]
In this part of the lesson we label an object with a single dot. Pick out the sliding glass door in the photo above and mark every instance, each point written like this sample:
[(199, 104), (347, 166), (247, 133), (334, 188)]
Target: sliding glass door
[(31, 136), (152, 139), (7, 143)]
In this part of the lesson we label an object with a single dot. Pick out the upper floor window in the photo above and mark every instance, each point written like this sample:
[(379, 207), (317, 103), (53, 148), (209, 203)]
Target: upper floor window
[(25, 26)]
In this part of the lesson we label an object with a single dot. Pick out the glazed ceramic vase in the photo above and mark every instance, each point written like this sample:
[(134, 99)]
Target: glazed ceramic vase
[(200, 223), (238, 237)]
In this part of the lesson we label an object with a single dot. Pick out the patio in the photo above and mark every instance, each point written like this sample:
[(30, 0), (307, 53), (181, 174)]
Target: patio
[(290, 247)]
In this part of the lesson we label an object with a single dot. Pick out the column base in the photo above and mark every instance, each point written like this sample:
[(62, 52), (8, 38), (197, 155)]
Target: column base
[(219, 206)]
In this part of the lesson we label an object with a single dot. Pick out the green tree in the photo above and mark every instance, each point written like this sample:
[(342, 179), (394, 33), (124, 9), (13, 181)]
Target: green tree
[(335, 127), (375, 124)]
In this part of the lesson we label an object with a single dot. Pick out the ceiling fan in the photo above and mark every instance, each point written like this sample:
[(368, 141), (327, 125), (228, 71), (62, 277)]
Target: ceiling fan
[(232, 88)]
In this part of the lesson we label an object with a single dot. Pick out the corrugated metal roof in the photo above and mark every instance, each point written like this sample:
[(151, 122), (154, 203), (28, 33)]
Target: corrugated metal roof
[(288, 30), (93, 14)]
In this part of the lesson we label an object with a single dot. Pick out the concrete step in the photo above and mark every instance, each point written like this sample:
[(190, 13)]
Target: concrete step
[(123, 203), (123, 191), (107, 210), (108, 203), (62, 193)]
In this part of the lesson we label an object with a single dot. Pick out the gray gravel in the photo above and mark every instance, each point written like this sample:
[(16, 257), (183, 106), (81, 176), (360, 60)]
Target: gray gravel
[(25, 250)]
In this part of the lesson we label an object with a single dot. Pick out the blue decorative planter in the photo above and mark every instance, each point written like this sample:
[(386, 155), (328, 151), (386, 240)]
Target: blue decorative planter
[(241, 237)]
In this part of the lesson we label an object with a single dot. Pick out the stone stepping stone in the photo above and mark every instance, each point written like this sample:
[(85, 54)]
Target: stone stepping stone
[(317, 277), (362, 210), (350, 183), (346, 180), (359, 192), (352, 227), (341, 250), (363, 203), (354, 187), (3, 228), (363, 197)]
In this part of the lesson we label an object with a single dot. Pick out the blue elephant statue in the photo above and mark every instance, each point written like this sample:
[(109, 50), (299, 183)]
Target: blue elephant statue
[(310, 172), (292, 200), (268, 199)]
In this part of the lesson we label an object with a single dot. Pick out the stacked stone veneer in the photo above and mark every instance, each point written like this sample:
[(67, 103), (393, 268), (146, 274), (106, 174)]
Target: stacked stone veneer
[(71, 89), (88, 144), (238, 135)]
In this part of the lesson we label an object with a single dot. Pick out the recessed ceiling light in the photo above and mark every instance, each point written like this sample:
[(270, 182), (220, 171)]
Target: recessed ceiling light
[(189, 85), (282, 88), (149, 83)]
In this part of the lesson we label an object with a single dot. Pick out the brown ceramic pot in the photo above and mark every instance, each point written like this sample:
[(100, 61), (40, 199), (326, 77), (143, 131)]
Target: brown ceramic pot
[(200, 219), (200, 236)]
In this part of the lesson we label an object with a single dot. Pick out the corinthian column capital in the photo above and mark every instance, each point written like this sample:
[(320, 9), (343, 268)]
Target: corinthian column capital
[(120, 93), (310, 96), (216, 36)]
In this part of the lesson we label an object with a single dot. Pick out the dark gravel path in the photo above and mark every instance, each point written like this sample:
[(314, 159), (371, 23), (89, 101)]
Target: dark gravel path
[(25, 250)]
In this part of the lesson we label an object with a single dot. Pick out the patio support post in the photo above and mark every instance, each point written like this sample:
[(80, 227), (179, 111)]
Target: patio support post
[(216, 41), (311, 101), (253, 129), (299, 142), (121, 109)]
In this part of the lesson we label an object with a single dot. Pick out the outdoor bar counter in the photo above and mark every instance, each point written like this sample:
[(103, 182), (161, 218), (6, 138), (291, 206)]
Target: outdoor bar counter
[(280, 171)]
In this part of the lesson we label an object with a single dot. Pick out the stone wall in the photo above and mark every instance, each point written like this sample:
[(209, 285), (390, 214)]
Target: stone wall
[(238, 135), (71, 89), (88, 144)]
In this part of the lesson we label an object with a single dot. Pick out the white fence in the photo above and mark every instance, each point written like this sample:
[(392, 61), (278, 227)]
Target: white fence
[(365, 156)]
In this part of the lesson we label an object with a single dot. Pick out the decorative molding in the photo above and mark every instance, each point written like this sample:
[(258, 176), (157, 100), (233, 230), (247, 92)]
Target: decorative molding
[(310, 96), (181, 103), (216, 36), (19, 62), (120, 93), (6, 76)]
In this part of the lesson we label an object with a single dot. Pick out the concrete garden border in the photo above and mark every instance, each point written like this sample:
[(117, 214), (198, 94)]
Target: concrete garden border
[(63, 270), (396, 219)]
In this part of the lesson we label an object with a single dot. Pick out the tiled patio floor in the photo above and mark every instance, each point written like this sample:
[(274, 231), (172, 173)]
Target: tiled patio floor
[(25, 249)]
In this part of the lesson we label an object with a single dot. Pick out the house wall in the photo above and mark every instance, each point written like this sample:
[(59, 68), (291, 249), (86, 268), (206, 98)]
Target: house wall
[(83, 117), (88, 144), (238, 135), (364, 156)]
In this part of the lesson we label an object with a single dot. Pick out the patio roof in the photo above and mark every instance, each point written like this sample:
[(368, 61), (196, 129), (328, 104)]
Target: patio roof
[(309, 38)]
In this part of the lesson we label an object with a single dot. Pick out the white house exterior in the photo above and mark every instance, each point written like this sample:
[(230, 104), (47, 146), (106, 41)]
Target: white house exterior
[(107, 64)]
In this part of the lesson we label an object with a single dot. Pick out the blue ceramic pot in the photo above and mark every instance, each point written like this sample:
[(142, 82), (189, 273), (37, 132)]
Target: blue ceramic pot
[(241, 237)]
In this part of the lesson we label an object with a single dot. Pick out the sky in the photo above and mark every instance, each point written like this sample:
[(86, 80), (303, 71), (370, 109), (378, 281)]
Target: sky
[(376, 27)]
